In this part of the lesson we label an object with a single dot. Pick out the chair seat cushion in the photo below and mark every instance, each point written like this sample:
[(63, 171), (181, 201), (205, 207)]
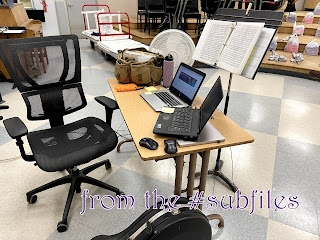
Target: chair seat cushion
[(73, 144)]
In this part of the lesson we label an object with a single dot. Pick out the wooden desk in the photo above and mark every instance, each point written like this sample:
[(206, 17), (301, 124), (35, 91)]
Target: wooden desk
[(141, 118)]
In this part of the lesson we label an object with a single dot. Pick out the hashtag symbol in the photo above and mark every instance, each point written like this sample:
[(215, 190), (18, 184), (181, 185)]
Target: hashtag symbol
[(196, 200)]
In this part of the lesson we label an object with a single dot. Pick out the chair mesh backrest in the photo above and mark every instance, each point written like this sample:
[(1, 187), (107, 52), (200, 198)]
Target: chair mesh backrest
[(47, 71)]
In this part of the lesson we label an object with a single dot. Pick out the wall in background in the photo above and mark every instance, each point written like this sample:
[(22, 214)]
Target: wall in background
[(51, 25), (62, 16), (299, 5), (128, 6)]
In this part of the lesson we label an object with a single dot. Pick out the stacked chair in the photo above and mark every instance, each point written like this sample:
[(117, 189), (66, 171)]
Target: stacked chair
[(141, 12), (154, 10), (192, 11)]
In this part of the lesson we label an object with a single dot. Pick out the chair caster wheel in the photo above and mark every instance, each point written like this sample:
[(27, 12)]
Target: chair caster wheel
[(78, 190), (92, 44), (121, 194), (107, 57), (62, 226), (108, 164), (32, 199)]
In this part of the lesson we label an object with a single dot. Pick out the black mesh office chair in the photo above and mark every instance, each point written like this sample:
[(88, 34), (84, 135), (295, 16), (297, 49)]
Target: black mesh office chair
[(50, 93)]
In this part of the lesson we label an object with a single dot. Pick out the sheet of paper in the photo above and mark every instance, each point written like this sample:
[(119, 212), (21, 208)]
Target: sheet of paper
[(261, 46), (14, 31), (167, 110), (239, 46), (212, 40), (150, 89)]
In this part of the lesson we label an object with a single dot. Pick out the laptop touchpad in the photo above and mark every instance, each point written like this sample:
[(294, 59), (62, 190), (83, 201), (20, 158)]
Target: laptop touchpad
[(166, 116)]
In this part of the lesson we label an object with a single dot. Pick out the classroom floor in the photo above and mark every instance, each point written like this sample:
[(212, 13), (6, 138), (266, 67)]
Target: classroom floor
[(282, 113)]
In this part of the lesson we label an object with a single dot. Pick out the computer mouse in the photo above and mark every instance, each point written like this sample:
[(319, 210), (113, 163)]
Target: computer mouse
[(170, 146), (148, 143)]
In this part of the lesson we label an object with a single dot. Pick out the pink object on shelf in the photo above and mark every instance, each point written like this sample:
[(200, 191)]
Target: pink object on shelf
[(308, 18), (292, 48), (298, 30)]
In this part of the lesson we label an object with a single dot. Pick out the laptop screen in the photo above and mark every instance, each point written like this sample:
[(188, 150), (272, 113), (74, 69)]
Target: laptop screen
[(187, 82), (211, 102)]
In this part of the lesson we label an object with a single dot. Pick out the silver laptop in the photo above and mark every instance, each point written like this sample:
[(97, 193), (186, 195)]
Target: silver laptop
[(182, 91)]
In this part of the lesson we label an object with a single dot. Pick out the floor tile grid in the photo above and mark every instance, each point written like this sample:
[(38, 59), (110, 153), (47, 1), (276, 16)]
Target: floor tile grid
[(109, 93)]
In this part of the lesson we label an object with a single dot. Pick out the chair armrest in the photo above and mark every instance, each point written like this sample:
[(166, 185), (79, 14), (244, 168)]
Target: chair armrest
[(107, 102), (15, 127), (109, 105)]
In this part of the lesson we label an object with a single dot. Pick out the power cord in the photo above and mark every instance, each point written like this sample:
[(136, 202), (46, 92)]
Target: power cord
[(122, 135)]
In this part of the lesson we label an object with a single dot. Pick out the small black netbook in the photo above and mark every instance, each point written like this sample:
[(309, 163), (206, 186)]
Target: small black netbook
[(187, 123)]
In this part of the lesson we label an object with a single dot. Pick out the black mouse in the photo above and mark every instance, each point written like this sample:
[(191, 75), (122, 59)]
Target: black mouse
[(148, 143), (170, 146)]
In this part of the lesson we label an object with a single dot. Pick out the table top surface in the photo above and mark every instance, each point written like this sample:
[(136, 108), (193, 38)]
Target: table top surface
[(141, 118)]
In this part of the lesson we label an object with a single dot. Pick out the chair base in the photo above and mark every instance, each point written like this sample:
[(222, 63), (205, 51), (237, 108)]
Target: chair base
[(76, 177)]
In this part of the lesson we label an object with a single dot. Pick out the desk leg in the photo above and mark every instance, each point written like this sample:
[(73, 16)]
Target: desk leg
[(191, 175), (122, 142), (179, 170), (204, 171)]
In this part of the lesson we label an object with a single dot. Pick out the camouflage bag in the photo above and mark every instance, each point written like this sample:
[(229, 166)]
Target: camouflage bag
[(129, 70)]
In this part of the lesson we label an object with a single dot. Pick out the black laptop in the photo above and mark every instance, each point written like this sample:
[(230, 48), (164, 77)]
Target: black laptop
[(187, 123)]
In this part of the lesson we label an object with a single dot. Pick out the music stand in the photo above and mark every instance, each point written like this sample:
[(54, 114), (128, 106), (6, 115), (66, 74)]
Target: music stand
[(271, 20)]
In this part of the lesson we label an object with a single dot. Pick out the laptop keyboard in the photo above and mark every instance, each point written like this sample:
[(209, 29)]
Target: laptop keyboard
[(168, 99), (181, 120)]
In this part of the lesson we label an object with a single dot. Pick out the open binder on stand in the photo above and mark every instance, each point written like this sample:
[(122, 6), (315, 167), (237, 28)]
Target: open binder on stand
[(237, 48), (237, 41)]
